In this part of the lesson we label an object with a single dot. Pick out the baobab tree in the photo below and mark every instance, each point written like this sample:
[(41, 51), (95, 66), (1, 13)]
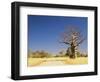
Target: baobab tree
[(73, 38)]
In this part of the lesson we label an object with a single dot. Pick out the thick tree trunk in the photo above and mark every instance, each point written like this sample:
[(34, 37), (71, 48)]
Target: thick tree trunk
[(72, 55)]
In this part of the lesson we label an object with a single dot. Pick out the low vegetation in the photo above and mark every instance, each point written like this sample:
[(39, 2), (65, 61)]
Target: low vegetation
[(39, 58), (43, 54)]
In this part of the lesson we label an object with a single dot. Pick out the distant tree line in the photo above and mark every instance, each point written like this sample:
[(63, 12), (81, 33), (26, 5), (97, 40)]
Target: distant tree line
[(43, 54), (78, 54), (38, 54), (67, 54)]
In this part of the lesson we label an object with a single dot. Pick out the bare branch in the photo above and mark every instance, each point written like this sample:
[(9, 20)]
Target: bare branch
[(65, 43), (81, 41), (72, 34)]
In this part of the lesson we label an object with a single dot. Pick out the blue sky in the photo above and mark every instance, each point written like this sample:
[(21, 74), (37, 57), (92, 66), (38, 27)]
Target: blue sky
[(44, 32)]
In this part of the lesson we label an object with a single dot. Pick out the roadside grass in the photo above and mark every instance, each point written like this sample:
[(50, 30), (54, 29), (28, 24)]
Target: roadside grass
[(66, 61)]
